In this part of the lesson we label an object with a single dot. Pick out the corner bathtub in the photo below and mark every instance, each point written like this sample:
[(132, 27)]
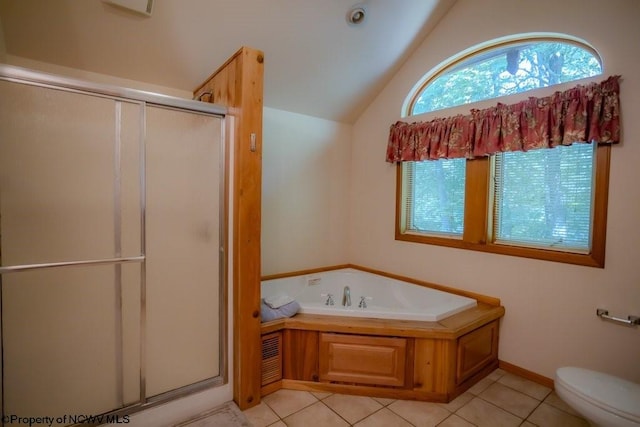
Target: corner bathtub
[(385, 298)]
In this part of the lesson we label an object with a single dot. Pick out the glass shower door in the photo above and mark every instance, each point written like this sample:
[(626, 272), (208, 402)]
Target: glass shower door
[(69, 194), (184, 241), (112, 234)]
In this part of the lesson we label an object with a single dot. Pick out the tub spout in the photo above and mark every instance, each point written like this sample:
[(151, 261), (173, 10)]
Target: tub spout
[(346, 297)]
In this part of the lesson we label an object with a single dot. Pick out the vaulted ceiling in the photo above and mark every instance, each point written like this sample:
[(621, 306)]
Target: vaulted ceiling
[(316, 63)]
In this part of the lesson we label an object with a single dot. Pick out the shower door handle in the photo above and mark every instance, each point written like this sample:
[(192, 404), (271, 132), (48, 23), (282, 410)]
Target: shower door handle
[(630, 320)]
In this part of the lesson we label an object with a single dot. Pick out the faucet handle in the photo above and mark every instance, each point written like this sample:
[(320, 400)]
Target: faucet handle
[(329, 299), (363, 301)]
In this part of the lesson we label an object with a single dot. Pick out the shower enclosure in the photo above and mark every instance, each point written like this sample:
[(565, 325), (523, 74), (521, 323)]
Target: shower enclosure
[(112, 247)]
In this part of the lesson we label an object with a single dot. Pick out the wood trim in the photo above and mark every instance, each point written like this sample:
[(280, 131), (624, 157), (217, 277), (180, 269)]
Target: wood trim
[(363, 390), (273, 326), (270, 388), (476, 200), (524, 373), (601, 201), (247, 230), (400, 196), (589, 260), (450, 328), (479, 297), (305, 272), (238, 84)]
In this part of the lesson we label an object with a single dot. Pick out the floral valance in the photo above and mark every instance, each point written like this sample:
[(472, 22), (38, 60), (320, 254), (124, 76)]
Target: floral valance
[(589, 113)]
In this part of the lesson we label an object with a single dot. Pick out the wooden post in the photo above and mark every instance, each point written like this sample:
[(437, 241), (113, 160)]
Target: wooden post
[(238, 84)]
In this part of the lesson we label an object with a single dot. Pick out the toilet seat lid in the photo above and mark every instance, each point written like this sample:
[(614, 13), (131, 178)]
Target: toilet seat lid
[(613, 394)]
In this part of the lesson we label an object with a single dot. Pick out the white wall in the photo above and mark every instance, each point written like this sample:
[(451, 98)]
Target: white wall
[(305, 198), (550, 316)]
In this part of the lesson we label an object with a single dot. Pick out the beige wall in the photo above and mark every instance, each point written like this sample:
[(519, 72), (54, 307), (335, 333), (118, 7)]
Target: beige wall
[(305, 197), (550, 307), (3, 48), (89, 76)]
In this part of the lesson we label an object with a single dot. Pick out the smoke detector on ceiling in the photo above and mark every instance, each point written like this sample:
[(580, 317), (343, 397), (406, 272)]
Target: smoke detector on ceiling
[(142, 7), (356, 14)]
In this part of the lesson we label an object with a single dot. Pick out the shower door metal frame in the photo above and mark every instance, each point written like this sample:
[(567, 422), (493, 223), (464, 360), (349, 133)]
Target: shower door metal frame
[(142, 98)]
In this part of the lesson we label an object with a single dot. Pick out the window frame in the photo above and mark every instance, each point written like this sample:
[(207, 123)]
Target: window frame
[(484, 48), (477, 234), (478, 209)]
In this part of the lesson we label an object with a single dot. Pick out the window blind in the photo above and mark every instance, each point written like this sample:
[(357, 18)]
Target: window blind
[(543, 198), (434, 200)]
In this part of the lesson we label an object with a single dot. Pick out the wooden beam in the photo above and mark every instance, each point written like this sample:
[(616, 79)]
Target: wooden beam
[(238, 84)]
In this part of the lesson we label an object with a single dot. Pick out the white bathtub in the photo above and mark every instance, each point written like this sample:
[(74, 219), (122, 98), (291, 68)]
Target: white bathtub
[(385, 298)]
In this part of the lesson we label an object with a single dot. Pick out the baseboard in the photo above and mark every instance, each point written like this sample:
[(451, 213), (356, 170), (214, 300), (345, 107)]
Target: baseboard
[(524, 373), (270, 388)]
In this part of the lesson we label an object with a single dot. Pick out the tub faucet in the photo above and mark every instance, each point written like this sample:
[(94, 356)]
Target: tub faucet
[(346, 297)]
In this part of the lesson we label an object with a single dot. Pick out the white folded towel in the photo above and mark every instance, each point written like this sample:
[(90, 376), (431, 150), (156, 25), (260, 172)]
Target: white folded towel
[(277, 301)]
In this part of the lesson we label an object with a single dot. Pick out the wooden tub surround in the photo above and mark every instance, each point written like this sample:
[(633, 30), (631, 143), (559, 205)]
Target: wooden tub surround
[(400, 359)]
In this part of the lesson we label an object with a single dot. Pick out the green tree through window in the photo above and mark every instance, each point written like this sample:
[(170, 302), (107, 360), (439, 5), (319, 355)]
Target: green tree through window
[(507, 70)]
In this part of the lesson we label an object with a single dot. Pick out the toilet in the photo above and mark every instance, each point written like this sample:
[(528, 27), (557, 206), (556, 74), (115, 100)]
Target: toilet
[(604, 400)]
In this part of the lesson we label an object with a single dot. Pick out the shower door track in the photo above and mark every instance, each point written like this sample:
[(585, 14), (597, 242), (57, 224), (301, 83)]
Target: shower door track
[(23, 75)]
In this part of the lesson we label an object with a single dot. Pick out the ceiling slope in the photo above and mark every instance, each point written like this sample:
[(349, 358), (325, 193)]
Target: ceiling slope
[(315, 62)]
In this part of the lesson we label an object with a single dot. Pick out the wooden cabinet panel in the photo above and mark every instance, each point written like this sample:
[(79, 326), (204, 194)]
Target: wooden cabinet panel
[(363, 359), (475, 350), (388, 358), (434, 365), (300, 355)]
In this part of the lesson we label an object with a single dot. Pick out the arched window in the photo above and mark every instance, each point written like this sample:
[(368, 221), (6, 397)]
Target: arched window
[(505, 69), (544, 203)]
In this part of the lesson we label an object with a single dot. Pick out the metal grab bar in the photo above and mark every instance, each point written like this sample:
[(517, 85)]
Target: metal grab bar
[(107, 261), (630, 320)]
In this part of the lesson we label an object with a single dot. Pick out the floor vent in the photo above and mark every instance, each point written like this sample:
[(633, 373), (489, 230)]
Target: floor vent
[(271, 358)]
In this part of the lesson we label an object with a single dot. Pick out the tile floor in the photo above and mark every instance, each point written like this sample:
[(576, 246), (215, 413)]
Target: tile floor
[(501, 399)]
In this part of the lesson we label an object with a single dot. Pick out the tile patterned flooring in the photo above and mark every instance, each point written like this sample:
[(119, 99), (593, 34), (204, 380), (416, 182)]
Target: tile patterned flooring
[(501, 399)]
